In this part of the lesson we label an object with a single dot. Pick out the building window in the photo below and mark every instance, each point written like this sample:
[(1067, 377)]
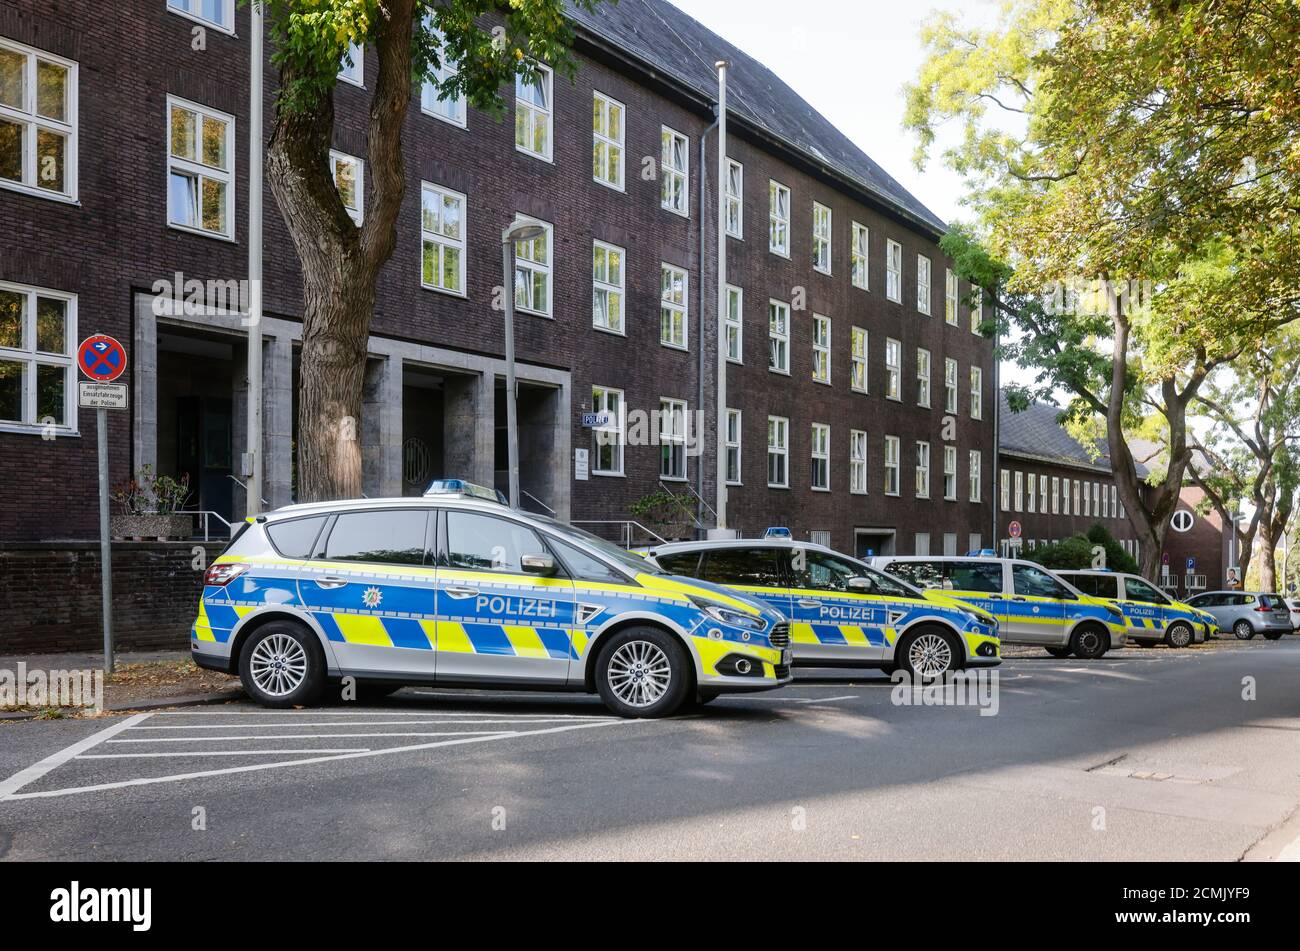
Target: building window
[(608, 436), (1070, 492), (442, 225), (607, 287), (950, 297), (733, 447), (861, 236), (1033, 492), (778, 336), (821, 239), (893, 369), (200, 176), (1182, 521), (1005, 479), (674, 170), (533, 274), (533, 114), (922, 470), (219, 13), (922, 377), (353, 67), (976, 393), (38, 336), (976, 476), (1056, 495), (672, 307), (778, 241), (1114, 501), (923, 284), (451, 109), (735, 199), (894, 271), (672, 439), (38, 122), (821, 356), (858, 462), (1042, 494), (350, 180), (891, 465), (858, 361), (778, 451), (607, 140), (950, 473), (977, 313), (1096, 501), (1019, 499), (821, 457), (735, 325), (949, 385)]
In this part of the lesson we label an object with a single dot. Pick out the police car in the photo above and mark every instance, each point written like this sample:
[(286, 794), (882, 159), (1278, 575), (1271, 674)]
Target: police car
[(1032, 605), (458, 588), (1150, 615), (842, 612)]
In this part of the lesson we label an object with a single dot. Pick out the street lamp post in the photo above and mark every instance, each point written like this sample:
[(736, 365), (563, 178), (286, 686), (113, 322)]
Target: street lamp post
[(522, 228)]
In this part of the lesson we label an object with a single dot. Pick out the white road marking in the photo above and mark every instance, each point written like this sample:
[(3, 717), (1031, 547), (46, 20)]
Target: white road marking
[(34, 772), (9, 785), (303, 736), (381, 713), (354, 749), (269, 726), (827, 699), (1291, 853)]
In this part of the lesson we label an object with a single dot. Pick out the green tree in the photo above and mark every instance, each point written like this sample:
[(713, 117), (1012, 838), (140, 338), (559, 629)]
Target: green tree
[(1118, 141), (491, 44)]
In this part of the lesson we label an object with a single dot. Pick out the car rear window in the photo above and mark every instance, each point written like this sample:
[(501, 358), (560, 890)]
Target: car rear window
[(388, 537), (682, 563), (296, 537)]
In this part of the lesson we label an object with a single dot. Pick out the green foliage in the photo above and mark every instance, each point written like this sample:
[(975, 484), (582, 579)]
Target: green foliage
[(671, 513), (1117, 559), (1075, 552)]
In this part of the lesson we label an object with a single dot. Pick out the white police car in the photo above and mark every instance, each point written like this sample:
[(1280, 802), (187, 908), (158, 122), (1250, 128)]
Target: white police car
[(457, 588)]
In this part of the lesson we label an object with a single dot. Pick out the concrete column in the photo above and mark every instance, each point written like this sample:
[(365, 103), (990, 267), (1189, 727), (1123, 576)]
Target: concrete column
[(381, 428), (143, 361), (277, 421), (469, 427)]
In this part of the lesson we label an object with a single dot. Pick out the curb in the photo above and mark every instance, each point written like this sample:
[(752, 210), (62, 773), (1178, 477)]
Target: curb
[(192, 700)]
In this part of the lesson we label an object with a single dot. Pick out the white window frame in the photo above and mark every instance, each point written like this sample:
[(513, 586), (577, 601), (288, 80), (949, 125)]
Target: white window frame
[(1114, 501), (1004, 480), (820, 452), (531, 266), (30, 358), (735, 324), (924, 284), (976, 463), (198, 168), (671, 308), (1070, 497), (547, 76), (922, 469), (976, 392), (227, 6), (671, 175), (442, 239), (435, 107), (617, 427), (923, 377), (733, 435), (605, 106), (1018, 494), (858, 462), (893, 369), (27, 118), (1042, 495), (821, 349), (354, 75), (859, 380), (1056, 495), (357, 214), (1031, 489), (778, 218), (894, 271), (949, 385), (735, 220), (977, 312), (778, 426), (950, 473), (673, 412), (604, 286), (822, 231), (950, 308), (778, 342), (860, 275), (893, 466)]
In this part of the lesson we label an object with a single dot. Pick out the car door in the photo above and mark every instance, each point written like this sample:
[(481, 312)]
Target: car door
[(1035, 609), (834, 622), (370, 587), (977, 581), (497, 622), (1145, 606)]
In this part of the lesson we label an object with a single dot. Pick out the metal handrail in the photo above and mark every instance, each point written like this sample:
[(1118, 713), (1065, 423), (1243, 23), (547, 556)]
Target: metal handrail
[(208, 514), (691, 490), (243, 486), (538, 501), (626, 529)]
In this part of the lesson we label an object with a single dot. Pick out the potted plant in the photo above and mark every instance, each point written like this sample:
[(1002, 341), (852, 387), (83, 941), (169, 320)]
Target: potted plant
[(151, 507)]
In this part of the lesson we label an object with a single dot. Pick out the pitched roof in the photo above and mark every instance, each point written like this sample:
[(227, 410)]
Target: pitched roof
[(1036, 433), (669, 41)]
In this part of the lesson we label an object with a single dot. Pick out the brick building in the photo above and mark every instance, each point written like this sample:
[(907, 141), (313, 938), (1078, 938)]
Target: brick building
[(123, 190)]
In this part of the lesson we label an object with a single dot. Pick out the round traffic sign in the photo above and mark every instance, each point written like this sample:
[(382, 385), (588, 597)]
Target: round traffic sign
[(1014, 530), (101, 358)]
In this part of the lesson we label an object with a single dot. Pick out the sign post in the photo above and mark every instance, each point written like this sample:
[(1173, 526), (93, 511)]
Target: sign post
[(103, 359)]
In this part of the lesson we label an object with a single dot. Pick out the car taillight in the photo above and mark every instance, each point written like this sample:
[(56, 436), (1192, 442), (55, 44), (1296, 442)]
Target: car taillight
[(1263, 609), (221, 575)]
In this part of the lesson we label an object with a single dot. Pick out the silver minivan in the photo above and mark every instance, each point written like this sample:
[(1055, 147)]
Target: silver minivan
[(1246, 613)]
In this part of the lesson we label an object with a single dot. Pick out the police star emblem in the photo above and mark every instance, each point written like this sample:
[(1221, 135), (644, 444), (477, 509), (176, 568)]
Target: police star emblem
[(371, 597)]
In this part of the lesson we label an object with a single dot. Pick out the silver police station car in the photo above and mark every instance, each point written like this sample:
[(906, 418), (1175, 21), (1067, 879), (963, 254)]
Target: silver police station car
[(456, 588)]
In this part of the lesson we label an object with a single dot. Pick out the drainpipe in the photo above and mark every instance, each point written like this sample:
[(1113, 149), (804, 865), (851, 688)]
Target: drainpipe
[(720, 475), (995, 485), (699, 320)]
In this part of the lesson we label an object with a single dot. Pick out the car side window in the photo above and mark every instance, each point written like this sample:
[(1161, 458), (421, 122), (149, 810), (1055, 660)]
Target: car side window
[(486, 543), (823, 572), (1142, 591), (296, 538), (1036, 583), (985, 577), (582, 566), (394, 537), (682, 563), (922, 574), (760, 567)]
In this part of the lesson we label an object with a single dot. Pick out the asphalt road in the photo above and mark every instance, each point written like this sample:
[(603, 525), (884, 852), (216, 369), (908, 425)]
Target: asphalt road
[(1146, 754)]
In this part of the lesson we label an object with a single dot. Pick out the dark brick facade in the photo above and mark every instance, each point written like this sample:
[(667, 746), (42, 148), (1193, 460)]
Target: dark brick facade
[(1039, 527), (1205, 542)]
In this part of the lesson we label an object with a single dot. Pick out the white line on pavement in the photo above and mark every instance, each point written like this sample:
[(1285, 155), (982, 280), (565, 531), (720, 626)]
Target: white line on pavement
[(826, 700), (382, 713), (34, 772), (259, 737), (272, 726), (354, 749)]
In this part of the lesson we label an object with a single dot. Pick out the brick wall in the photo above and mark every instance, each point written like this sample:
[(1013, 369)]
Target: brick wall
[(50, 596)]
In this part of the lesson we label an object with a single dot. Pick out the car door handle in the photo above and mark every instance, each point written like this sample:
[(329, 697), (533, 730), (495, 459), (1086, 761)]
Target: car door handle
[(809, 603), (331, 581), (460, 593), (1017, 599)]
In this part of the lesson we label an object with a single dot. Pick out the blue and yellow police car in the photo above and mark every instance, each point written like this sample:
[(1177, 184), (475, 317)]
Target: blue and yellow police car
[(456, 588), (1152, 617)]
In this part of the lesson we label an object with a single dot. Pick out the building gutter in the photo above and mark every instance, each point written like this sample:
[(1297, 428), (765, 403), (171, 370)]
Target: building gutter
[(699, 320)]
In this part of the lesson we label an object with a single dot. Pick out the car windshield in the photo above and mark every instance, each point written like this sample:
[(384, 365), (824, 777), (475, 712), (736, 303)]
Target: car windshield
[(608, 549)]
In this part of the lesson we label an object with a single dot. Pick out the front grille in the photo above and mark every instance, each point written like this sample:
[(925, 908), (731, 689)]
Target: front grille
[(780, 636), (782, 671)]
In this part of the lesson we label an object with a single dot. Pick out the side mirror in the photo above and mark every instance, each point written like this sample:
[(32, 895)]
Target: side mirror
[(859, 583), (538, 564)]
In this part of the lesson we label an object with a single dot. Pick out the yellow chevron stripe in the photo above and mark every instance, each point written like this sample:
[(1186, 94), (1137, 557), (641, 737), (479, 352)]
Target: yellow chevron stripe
[(578, 638), (891, 635), (853, 635), (802, 634), (452, 638), (363, 629), (525, 641), (242, 609), (430, 629)]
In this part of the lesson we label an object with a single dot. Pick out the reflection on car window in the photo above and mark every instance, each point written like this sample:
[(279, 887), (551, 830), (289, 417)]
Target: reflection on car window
[(584, 567), (683, 563), (974, 576), (487, 543), (1139, 590), (1036, 583), (392, 537), (746, 566)]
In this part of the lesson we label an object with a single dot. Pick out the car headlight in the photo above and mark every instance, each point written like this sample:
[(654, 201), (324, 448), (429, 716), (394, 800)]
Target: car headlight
[(985, 619), (728, 615), (1115, 612)]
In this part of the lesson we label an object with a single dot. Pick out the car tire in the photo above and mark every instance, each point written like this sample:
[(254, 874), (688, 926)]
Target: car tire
[(1273, 635), (1058, 652), (300, 677), (1089, 642), (1179, 635), (936, 650), (644, 673), (1242, 630)]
